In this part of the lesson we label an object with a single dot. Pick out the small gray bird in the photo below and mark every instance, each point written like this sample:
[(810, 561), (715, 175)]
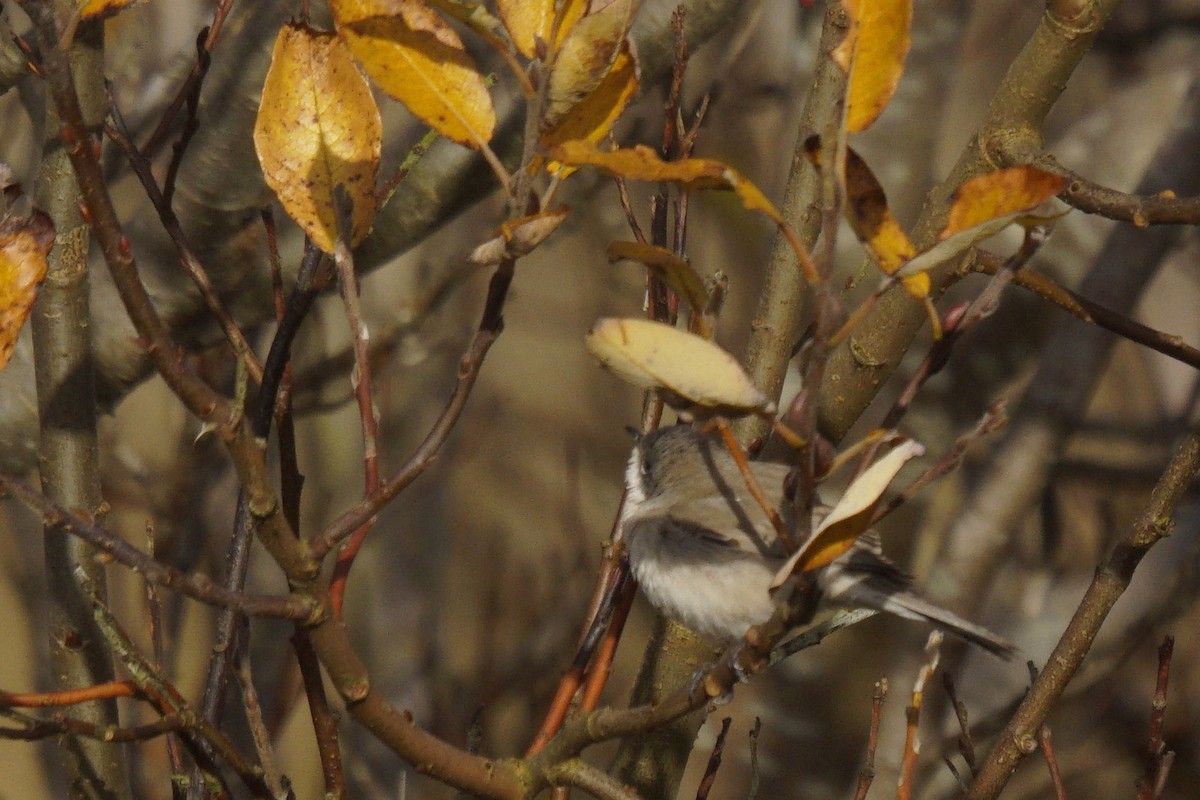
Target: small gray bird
[(704, 552)]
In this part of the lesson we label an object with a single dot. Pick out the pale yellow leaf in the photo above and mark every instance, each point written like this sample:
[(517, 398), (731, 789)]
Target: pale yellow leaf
[(530, 20), (850, 517), (318, 128), (587, 55), (689, 371), (416, 57), (24, 244)]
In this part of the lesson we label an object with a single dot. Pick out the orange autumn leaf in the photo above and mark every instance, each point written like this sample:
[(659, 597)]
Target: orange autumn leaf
[(642, 163), (318, 128), (998, 194), (24, 244), (587, 55), (881, 39), (530, 20), (414, 56)]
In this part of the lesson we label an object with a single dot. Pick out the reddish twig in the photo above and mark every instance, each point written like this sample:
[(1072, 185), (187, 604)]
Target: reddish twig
[(190, 88), (68, 697), (360, 379), (912, 743), (1158, 757), (867, 774), (1060, 791), (714, 762)]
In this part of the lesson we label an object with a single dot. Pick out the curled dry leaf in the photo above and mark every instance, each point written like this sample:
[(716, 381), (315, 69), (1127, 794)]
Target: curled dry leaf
[(530, 20), (643, 164), (848, 520), (416, 57), (318, 128), (587, 55), (689, 371), (674, 271), (879, 37), (518, 237), (24, 244), (592, 118)]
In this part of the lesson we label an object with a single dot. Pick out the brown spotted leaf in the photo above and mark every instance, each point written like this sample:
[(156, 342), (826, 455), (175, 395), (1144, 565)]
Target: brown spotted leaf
[(416, 57), (587, 55), (592, 118), (318, 128), (24, 244)]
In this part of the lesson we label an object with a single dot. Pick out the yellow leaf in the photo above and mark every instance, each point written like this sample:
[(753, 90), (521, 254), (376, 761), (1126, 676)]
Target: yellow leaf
[(690, 372), (587, 55), (999, 193), (849, 519), (883, 40), (417, 58), (674, 271), (867, 211), (518, 237), (643, 164), (530, 20), (24, 244), (592, 118), (90, 9), (318, 128)]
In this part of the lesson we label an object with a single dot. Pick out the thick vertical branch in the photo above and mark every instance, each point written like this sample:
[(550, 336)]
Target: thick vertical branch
[(68, 454), (859, 366)]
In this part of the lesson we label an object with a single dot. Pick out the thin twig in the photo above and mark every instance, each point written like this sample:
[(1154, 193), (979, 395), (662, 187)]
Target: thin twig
[(197, 586), (191, 84), (1060, 791), (714, 762), (966, 743), (1149, 783), (912, 742), (867, 774)]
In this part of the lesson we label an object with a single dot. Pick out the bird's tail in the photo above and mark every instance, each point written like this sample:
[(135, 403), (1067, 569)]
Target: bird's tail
[(906, 604)]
